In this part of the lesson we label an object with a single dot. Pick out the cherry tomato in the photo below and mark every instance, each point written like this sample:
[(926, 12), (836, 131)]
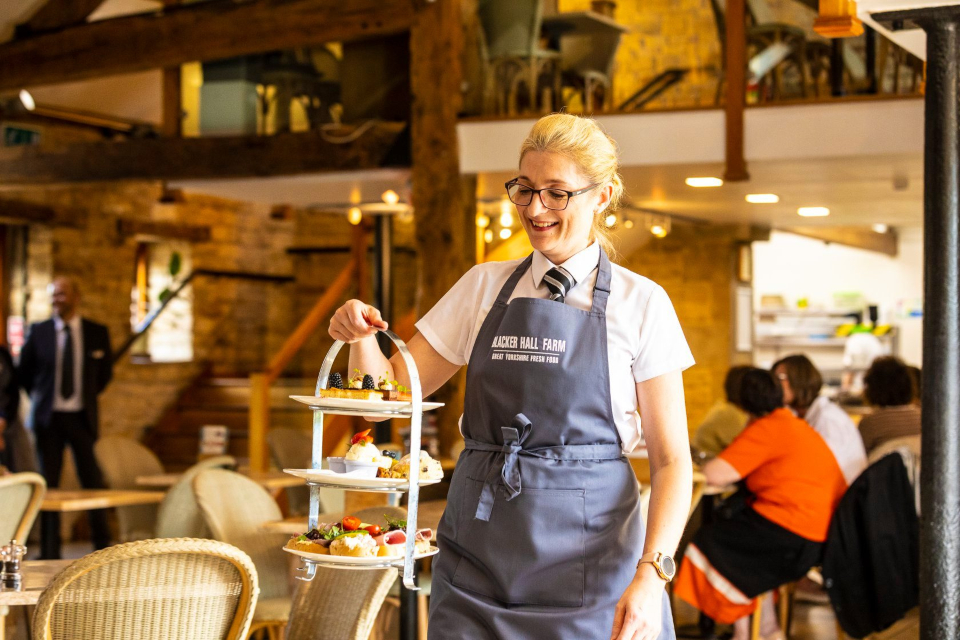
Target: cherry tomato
[(351, 523), (372, 529)]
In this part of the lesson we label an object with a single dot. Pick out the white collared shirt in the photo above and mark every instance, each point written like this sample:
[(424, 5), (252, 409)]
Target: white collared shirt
[(841, 435), (644, 338), (74, 402)]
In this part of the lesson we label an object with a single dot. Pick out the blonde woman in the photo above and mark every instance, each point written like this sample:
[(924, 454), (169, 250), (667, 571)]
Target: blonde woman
[(542, 536)]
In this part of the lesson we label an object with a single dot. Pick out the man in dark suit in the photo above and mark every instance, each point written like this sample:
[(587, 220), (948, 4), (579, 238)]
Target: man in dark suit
[(64, 365)]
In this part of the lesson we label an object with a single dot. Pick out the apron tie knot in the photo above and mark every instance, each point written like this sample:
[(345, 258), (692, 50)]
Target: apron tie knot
[(513, 439)]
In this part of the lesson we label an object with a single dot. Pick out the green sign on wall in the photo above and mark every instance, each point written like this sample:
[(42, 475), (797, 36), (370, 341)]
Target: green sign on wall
[(14, 136)]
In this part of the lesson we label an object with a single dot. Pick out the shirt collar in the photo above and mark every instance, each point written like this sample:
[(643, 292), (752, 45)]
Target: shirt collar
[(579, 265), (74, 323)]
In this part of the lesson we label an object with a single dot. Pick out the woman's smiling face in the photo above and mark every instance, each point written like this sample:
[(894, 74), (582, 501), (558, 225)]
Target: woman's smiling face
[(559, 234)]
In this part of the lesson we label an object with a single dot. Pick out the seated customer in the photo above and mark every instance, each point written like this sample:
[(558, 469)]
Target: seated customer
[(889, 388), (778, 534), (725, 420), (801, 382)]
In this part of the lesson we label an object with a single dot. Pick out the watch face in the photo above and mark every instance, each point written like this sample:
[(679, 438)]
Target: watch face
[(668, 566)]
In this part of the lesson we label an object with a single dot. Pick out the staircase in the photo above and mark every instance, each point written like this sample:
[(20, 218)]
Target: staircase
[(222, 401)]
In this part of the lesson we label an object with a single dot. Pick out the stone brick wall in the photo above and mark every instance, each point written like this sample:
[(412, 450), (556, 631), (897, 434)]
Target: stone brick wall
[(238, 324), (695, 264), (664, 34)]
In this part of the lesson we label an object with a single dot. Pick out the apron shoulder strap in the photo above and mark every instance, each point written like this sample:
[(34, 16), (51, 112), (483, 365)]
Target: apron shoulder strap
[(507, 290), (601, 291)]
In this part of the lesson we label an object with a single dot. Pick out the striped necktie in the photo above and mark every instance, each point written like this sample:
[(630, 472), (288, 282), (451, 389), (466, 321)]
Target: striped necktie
[(559, 281)]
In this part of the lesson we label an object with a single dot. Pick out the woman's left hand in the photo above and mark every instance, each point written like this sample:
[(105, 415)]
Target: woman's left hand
[(640, 611)]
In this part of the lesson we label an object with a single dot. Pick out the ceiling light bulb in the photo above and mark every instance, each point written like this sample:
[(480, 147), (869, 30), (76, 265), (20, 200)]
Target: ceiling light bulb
[(27, 100), (704, 182), (610, 220), (390, 197), (506, 219), (628, 224), (483, 221), (354, 215), (813, 212), (763, 198), (488, 236), (881, 228), (659, 230), (505, 233)]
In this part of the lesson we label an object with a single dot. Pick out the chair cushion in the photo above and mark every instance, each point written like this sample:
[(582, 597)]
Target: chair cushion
[(272, 609)]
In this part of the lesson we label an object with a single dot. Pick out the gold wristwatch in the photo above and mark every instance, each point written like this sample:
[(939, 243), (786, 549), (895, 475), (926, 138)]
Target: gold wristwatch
[(665, 565)]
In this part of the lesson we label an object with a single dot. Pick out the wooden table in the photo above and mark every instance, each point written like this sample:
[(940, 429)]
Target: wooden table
[(270, 480), (85, 499), (37, 574), (428, 516)]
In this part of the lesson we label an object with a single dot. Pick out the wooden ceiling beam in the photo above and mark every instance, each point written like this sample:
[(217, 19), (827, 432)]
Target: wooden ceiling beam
[(56, 14), (205, 158), (185, 33), (25, 212)]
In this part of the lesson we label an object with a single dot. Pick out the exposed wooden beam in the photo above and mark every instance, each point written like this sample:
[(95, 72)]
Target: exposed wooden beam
[(185, 33), (56, 14), (857, 237), (23, 211), (200, 158), (157, 229), (445, 203), (171, 98), (736, 95)]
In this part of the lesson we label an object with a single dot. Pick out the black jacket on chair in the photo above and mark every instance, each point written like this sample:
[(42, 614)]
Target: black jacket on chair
[(38, 366), (871, 562)]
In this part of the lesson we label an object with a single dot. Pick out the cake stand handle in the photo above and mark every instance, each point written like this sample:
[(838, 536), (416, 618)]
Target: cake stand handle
[(416, 418)]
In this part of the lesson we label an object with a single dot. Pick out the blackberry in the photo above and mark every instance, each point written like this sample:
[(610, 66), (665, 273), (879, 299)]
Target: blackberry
[(368, 383), (390, 454), (335, 381)]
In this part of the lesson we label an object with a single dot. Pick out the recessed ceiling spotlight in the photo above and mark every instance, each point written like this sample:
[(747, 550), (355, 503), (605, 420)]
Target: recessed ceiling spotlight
[(488, 236), (390, 197), (505, 233), (354, 215), (27, 100), (762, 198), (881, 228), (704, 182), (813, 212)]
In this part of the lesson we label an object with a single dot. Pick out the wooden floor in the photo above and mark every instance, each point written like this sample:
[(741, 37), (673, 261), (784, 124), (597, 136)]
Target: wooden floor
[(816, 622)]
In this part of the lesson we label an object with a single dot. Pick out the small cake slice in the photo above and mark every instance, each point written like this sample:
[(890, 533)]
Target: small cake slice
[(352, 394)]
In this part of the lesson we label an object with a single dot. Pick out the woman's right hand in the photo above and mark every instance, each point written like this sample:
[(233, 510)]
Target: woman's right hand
[(355, 321)]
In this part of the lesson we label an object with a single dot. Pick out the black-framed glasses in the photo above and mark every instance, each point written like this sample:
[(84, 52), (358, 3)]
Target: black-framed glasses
[(555, 199)]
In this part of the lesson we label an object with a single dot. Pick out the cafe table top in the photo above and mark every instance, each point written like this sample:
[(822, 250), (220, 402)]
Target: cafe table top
[(428, 516), (84, 499), (270, 480), (37, 574)]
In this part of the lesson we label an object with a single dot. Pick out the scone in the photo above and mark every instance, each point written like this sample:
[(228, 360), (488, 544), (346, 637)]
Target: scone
[(357, 546), (301, 543)]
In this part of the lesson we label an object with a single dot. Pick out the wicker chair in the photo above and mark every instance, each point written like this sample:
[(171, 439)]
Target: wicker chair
[(234, 508), (338, 605), (20, 498), (121, 460), (152, 590), (179, 514), (292, 449)]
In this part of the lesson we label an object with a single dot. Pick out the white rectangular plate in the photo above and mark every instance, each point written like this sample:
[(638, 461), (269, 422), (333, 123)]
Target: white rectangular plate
[(354, 407), (332, 478), (352, 562)]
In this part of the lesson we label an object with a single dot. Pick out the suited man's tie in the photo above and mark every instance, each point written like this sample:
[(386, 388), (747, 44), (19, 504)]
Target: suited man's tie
[(559, 281), (67, 365)]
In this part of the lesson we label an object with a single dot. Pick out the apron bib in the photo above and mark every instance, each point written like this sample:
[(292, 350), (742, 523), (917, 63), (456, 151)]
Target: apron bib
[(542, 530)]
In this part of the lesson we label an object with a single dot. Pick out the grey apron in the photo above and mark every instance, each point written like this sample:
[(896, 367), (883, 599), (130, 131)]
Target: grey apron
[(542, 530)]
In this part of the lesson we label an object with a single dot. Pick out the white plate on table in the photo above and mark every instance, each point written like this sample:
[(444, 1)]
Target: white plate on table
[(355, 407), (351, 561), (328, 477)]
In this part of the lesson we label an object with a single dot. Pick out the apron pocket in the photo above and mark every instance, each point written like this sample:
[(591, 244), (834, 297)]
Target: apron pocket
[(530, 552)]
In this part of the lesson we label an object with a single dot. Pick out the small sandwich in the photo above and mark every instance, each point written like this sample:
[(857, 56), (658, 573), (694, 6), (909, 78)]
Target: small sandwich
[(314, 541), (394, 538)]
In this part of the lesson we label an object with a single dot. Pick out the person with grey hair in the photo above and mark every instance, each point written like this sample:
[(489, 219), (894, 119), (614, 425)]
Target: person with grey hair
[(65, 364)]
